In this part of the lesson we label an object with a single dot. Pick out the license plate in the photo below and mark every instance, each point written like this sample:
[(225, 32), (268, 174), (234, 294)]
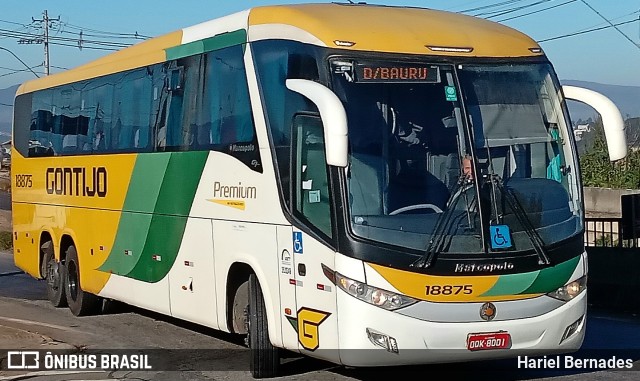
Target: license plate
[(491, 340)]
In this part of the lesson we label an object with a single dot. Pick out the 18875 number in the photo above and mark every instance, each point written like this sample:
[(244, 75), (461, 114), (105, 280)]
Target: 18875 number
[(448, 289), (23, 181)]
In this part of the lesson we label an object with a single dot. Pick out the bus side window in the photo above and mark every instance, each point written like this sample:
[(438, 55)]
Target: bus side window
[(311, 194)]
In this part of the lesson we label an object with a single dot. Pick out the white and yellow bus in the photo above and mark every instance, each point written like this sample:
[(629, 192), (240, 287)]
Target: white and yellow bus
[(364, 184)]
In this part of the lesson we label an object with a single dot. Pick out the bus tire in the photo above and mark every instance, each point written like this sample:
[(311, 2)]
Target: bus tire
[(80, 302), (264, 359), (55, 275)]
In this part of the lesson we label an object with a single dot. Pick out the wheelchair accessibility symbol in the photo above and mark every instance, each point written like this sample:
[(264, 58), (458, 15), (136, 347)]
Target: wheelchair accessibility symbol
[(500, 236), (297, 242)]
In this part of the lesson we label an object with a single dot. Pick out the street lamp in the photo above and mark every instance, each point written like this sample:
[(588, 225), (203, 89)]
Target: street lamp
[(21, 61)]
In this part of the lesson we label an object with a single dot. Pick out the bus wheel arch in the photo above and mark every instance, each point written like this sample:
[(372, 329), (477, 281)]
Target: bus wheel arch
[(52, 271), (46, 247), (238, 297), (65, 242), (247, 314)]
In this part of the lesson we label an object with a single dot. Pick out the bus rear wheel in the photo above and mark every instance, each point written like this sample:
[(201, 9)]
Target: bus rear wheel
[(264, 360), (55, 275), (80, 302)]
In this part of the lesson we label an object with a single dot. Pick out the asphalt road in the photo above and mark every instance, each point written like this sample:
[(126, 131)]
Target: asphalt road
[(206, 354), (5, 200)]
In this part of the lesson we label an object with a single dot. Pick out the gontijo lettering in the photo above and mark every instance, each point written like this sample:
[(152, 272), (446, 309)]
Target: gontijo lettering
[(77, 181)]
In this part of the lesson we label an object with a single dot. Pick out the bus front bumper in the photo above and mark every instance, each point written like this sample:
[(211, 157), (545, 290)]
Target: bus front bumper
[(403, 340)]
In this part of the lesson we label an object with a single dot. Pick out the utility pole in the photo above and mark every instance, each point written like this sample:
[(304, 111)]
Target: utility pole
[(46, 20)]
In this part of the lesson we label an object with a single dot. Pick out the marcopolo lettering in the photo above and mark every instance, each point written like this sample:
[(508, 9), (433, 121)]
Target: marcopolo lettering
[(242, 147), (234, 191), (77, 181), (483, 267)]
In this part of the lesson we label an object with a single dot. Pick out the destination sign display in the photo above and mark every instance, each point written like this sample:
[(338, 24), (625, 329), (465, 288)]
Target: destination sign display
[(396, 72)]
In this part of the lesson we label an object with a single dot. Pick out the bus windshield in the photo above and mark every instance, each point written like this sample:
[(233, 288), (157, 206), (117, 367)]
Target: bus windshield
[(485, 164)]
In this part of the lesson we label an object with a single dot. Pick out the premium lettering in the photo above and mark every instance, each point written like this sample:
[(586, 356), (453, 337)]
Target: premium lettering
[(234, 191), (77, 181)]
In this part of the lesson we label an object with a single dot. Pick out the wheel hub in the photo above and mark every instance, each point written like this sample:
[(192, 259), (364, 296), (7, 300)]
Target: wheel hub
[(53, 274)]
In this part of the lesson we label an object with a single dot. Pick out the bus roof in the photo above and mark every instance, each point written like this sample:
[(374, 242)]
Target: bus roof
[(398, 29), (365, 27)]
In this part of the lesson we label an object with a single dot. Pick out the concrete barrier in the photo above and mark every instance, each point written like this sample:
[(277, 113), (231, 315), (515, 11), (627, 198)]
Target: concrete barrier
[(604, 201)]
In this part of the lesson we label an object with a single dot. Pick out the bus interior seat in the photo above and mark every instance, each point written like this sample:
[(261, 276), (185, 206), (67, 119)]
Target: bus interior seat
[(545, 201), (162, 137), (429, 180), (203, 136), (367, 174), (69, 143)]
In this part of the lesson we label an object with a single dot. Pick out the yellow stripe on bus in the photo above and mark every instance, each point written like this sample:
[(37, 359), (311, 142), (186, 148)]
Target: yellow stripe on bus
[(37, 207), (443, 288)]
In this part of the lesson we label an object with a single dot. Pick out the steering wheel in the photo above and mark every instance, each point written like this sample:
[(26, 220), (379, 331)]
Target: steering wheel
[(414, 207)]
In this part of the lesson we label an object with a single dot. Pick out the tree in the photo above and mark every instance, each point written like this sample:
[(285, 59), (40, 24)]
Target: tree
[(598, 171)]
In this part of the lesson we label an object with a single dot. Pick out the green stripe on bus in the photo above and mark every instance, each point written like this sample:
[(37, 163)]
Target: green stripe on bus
[(554, 277), (167, 226), (512, 284), (132, 232), (219, 41), (146, 182), (133, 228)]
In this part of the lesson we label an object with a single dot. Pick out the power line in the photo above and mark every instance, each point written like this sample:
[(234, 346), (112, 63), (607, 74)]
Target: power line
[(13, 22), (615, 18), (21, 61), (508, 2), (102, 36), (4, 104), (612, 25), (20, 71), (503, 12), (537, 11), (585, 31), (84, 47), (133, 35)]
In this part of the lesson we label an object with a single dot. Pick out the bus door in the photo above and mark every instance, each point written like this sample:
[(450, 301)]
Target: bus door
[(314, 319)]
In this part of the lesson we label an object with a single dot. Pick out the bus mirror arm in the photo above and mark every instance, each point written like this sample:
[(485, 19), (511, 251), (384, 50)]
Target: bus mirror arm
[(611, 118), (333, 115)]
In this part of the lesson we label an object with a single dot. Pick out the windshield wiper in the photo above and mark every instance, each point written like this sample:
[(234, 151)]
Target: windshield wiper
[(521, 215), (444, 221), (439, 232)]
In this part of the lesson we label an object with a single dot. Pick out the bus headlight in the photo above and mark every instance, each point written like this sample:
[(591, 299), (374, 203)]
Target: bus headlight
[(570, 290), (372, 295)]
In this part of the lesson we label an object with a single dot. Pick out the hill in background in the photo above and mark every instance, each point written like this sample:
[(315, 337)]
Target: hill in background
[(627, 98)]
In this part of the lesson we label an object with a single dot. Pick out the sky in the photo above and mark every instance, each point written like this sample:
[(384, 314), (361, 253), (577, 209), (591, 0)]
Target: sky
[(605, 56)]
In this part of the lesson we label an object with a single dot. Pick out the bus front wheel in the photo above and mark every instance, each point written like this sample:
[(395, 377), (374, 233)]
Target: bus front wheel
[(264, 356), (55, 275), (80, 302)]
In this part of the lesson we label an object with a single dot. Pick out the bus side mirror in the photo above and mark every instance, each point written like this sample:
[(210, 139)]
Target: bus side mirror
[(611, 118), (333, 115)]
